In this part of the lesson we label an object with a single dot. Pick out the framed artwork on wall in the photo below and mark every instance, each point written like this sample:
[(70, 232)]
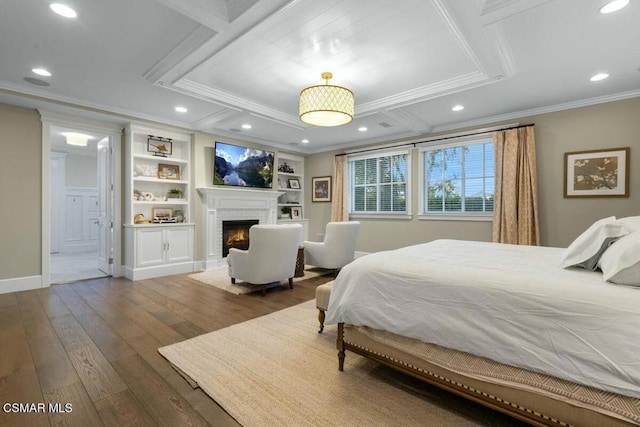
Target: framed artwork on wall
[(597, 173), (321, 189)]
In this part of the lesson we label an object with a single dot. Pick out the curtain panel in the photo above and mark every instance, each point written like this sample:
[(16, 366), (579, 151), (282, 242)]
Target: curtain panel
[(515, 217), (339, 203)]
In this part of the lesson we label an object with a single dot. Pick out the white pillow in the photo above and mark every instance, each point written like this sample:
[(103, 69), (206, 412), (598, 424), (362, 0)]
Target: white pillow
[(621, 262), (588, 247), (631, 223)]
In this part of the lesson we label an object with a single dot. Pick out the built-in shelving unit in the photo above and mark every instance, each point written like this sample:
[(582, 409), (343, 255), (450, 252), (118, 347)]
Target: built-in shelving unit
[(158, 232), (291, 182)]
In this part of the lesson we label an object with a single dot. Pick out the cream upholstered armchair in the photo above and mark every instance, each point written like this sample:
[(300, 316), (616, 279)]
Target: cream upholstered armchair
[(271, 256), (338, 248)]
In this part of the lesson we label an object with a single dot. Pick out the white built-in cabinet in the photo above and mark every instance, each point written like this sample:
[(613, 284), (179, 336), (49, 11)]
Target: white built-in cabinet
[(157, 248), (291, 182)]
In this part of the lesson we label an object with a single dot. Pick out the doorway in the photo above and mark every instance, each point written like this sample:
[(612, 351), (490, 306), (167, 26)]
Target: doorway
[(80, 205)]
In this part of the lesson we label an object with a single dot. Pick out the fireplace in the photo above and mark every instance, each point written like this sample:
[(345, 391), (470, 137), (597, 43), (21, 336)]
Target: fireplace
[(235, 234)]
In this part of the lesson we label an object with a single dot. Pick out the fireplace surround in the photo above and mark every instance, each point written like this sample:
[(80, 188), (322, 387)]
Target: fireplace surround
[(231, 204)]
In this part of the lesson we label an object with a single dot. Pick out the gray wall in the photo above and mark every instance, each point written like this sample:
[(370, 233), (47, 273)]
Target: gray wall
[(20, 192), (610, 125)]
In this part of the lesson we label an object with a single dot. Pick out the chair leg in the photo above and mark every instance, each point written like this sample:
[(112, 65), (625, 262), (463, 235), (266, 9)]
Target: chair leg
[(233, 280), (290, 282), (321, 320), (264, 290)]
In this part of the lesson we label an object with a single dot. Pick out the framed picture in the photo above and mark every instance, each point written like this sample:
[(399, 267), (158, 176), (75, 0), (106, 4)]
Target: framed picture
[(162, 213), (321, 189), (168, 171), (296, 212), (597, 173), (294, 183), (160, 147)]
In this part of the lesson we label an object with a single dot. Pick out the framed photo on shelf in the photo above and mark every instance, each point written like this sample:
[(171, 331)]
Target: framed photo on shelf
[(162, 213), (321, 189), (168, 171), (597, 173), (296, 212), (294, 183)]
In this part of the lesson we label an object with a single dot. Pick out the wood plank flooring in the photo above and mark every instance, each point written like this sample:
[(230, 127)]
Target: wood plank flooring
[(94, 344)]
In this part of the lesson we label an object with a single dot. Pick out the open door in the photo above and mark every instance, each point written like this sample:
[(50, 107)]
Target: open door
[(105, 206)]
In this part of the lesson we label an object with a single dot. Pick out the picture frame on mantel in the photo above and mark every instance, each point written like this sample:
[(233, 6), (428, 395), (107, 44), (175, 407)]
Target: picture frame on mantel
[(597, 173), (321, 189)]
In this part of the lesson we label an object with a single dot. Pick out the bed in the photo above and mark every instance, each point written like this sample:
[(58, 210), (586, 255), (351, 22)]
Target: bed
[(502, 325)]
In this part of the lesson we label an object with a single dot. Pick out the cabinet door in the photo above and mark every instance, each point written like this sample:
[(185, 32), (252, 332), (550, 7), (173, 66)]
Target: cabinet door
[(150, 247), (179, 244)]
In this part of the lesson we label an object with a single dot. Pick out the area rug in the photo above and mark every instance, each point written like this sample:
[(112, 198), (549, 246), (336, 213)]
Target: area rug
[(220, 279), (276, 370)]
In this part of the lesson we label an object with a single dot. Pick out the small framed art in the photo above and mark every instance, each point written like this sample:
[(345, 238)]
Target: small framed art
[(296, 212), (321, 189), (294, 183), (168, 171), (162, 213), (597, 173)]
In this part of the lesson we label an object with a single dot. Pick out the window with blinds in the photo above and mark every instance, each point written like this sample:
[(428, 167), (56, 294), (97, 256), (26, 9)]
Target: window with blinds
[(379, 184), (458, 179)]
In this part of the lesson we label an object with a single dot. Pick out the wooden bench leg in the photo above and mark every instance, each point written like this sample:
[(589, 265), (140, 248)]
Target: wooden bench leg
[(233, 280), (290, 282), (321, 320)]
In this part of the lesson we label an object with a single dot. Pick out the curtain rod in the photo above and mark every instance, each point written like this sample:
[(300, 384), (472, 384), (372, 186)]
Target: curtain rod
[(444, 138)]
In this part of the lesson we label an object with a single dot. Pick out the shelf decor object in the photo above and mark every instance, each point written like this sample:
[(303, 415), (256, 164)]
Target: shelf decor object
[(326, 105), (159, 146), (597, 173)]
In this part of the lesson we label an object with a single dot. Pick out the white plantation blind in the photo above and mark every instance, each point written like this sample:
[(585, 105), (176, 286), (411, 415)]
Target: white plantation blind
[(458, 179), (378, 183)]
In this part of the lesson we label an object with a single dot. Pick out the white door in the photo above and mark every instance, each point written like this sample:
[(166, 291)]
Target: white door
[(178, 244), (105, 206)]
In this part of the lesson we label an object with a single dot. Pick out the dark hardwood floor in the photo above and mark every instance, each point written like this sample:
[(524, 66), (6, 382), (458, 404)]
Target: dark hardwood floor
[(94, 344)]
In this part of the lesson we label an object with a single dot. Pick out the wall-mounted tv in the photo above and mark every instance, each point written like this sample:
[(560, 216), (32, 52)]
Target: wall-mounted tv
[(242, 166)]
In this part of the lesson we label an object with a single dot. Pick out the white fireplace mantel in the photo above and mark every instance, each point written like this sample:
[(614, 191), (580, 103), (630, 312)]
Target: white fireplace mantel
[(225, 204)]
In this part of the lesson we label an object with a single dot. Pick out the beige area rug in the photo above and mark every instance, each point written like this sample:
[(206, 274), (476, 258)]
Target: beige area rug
[(276, 370), (220, 279)]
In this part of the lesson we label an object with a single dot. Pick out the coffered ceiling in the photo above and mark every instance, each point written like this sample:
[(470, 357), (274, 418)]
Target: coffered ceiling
[(235, 62)]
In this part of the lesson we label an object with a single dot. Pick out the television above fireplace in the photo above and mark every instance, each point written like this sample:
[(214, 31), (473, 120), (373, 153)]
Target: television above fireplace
[(240, 166)]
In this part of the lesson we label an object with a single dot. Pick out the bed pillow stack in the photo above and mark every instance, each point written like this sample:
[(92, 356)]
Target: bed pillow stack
[(621, 262), (588, 247)]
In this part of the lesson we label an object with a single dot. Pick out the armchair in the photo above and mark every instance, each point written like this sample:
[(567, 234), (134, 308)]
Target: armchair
[(338, 248), (271, 256)]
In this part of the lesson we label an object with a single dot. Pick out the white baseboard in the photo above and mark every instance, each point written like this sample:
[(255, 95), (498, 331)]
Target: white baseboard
[(159, 271), (20, 284)]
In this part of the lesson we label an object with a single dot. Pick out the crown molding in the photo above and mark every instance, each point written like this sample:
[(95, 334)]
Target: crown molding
[(210, 121), (541, 110), (401, 116), (92, 107), (73, 121)]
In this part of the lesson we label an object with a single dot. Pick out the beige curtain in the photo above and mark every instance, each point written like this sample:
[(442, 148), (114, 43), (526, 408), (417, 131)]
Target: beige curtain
[(515, 216), (339, 201)]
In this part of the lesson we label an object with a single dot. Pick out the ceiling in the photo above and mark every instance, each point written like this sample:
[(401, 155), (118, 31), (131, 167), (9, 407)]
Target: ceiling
[(235, 62)]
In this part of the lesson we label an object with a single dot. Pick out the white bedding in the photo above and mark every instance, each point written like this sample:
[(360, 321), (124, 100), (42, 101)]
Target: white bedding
[(513, 304)]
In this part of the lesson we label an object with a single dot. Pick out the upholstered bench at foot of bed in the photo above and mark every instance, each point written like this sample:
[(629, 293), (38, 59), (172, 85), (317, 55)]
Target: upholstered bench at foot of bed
[(322, 301)]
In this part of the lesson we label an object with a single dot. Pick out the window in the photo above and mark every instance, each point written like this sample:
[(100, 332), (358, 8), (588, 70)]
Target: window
[(458, 179), (378, 184)]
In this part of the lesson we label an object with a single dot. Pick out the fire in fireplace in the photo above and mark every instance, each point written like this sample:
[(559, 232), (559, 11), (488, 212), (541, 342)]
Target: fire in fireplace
[(235, 234)]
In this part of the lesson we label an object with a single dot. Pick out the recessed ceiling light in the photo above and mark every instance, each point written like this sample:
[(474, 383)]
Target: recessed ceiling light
[(246, 126), (305, 141), (37, 82), (599, 76), (41, 72), (458, 108), (362, 129), (181, 109), (63, 10), (613, 6)]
